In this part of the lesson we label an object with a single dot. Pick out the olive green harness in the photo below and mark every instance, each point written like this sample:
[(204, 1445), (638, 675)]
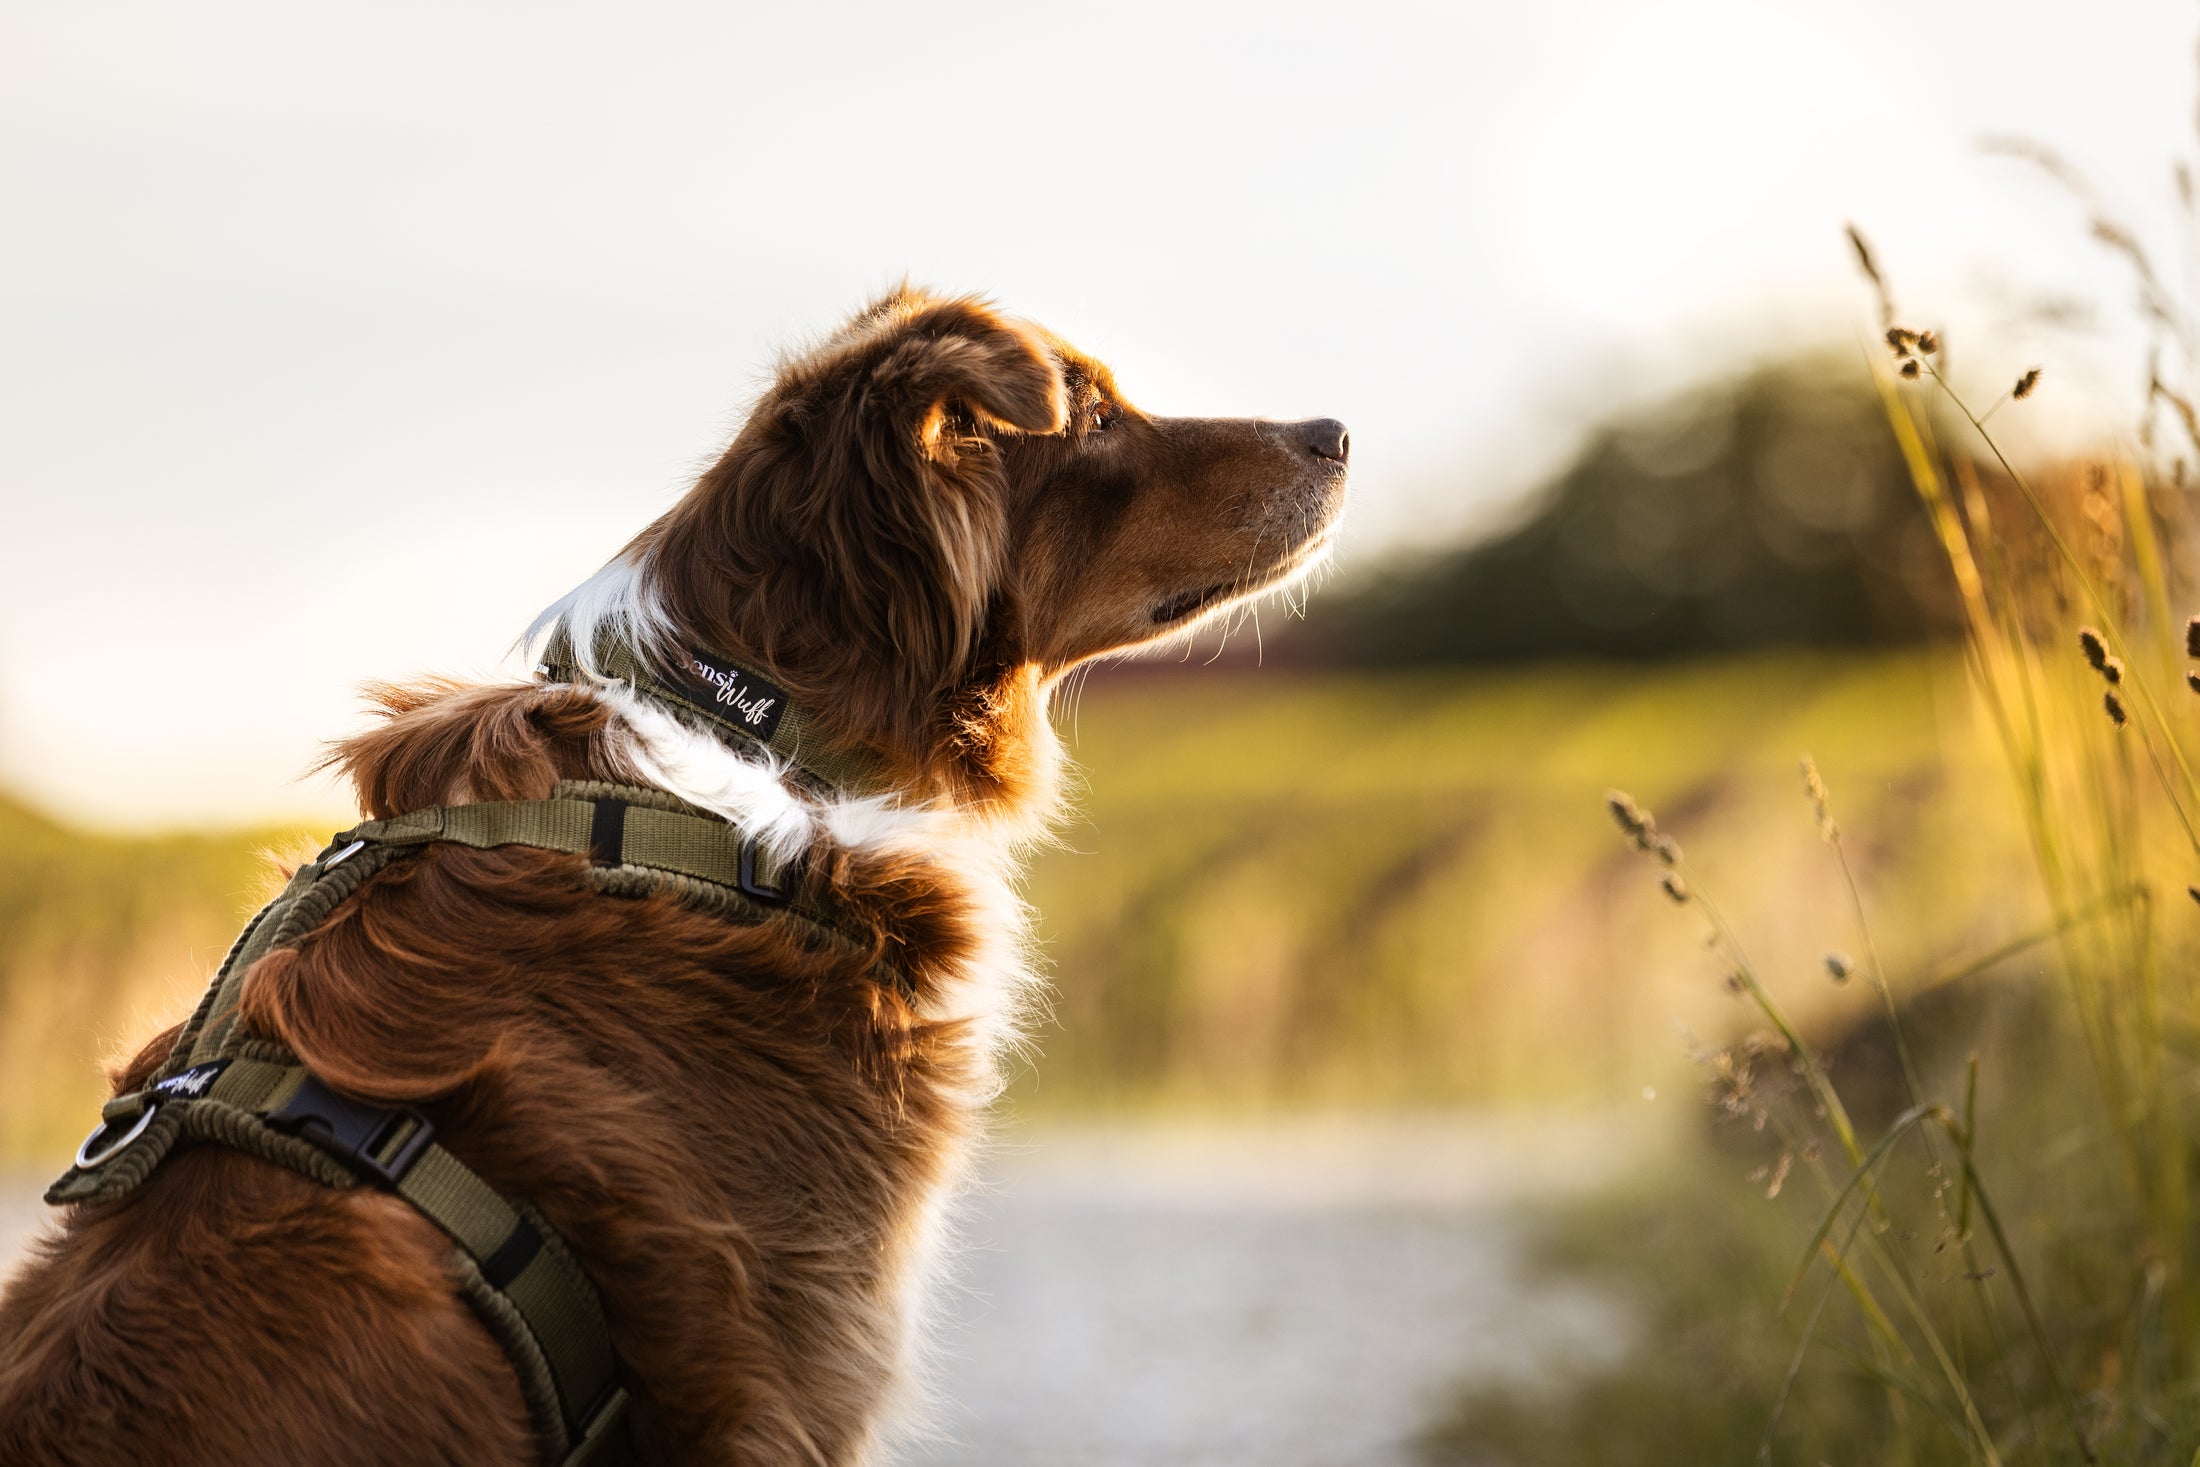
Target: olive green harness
[(221, 1085)]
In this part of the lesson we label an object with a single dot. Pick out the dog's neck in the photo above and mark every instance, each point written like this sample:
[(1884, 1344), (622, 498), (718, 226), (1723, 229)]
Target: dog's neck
[(742, 706), (977, 740)]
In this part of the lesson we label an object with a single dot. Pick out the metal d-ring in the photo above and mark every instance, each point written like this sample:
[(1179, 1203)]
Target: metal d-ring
[(87, 1158), (342, 856)]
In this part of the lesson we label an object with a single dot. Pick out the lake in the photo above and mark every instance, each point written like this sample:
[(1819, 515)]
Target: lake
[(1298, 1293)]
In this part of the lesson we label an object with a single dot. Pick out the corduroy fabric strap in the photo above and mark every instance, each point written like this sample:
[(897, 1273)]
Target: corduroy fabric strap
[(793, 736), (222, 1086), (516, 1253), (562, 1350), (312, 894), (616, 827), (219, 1086)]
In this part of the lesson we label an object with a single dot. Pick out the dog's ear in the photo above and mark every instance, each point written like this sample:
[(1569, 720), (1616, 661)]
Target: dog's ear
[(857, 530), (944, 357), (904, 495)]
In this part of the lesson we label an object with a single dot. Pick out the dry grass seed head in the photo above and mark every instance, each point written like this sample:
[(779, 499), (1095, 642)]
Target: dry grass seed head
[(2025, 384), (1821, 802), (1631, 818), (2097, 657), (1641, 827), (1734, 1086), (2115, 707)]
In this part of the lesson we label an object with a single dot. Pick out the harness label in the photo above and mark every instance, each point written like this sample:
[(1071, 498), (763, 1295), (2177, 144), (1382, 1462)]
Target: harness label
[(742, 699), (194, 1082)]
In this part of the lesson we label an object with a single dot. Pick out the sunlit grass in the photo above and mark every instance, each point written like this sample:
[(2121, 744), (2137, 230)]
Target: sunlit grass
[(103, 941), (1986, 1189), (1360, 890), (1283, 889)]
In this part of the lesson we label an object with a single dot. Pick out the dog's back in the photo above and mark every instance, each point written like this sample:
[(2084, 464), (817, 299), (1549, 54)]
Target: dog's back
[(732, 1122), (741, 1121)]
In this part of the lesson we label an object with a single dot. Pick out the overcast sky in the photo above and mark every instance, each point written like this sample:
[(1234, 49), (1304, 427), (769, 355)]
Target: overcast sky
[(336, 340)]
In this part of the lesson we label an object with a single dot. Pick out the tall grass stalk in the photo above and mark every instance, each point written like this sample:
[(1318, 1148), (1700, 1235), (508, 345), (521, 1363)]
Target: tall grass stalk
[(1867, 1265), (2117, 982), (2108, 825)]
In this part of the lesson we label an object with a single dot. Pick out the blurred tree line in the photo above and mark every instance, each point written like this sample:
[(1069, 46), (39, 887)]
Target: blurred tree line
[(1764, 511)]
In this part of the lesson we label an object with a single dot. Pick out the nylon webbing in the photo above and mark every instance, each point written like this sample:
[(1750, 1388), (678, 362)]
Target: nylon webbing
[(551, 1293), (567, 1336), (652, 839), (705, 848), (218, 1086)]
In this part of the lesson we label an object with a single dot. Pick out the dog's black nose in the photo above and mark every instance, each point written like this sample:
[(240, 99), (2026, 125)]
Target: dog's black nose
[(1326, 438)]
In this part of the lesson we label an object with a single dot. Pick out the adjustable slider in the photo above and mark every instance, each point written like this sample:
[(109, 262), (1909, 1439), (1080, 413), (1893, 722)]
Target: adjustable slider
[(607, 832), (599, 1436), (749, 884), (382, 1143)]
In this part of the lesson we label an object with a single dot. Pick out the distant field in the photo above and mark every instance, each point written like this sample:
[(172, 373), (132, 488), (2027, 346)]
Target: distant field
[(103, 942), (1406, 889), (1290, 890)]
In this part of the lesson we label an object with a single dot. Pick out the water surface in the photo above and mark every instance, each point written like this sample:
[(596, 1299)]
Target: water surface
[(1299, 1294)]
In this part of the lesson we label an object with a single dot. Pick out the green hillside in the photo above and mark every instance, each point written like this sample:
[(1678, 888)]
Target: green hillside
[(1389, 888), (1404, 888), (103, 941)]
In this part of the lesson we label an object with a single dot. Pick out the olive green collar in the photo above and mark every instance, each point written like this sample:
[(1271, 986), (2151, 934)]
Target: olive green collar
[(740, 704)]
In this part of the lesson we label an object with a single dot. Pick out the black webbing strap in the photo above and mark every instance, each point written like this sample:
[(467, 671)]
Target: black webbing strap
[(607, 833)]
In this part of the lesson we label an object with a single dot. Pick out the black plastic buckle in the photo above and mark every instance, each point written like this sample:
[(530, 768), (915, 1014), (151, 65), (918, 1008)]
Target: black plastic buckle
[(353, 1131), (749, 883)]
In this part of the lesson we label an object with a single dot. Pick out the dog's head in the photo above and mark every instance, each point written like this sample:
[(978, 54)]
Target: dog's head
[(938, 501)]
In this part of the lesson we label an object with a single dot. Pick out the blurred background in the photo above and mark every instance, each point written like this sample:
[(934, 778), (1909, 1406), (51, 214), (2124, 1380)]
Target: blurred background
[(1376, 1062)]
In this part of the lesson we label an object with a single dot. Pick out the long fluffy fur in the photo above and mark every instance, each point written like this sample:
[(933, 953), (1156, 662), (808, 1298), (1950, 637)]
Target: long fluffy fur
[(747, 1130)]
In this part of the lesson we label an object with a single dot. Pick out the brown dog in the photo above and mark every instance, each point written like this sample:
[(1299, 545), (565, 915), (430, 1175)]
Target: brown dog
[(743, 1136)]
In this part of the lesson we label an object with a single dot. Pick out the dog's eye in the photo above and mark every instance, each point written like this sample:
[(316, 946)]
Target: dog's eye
[(1102, 418)]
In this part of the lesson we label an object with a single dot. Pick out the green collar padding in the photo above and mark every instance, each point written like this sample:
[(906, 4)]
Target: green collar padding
[(221, 1086), (792, 735)]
